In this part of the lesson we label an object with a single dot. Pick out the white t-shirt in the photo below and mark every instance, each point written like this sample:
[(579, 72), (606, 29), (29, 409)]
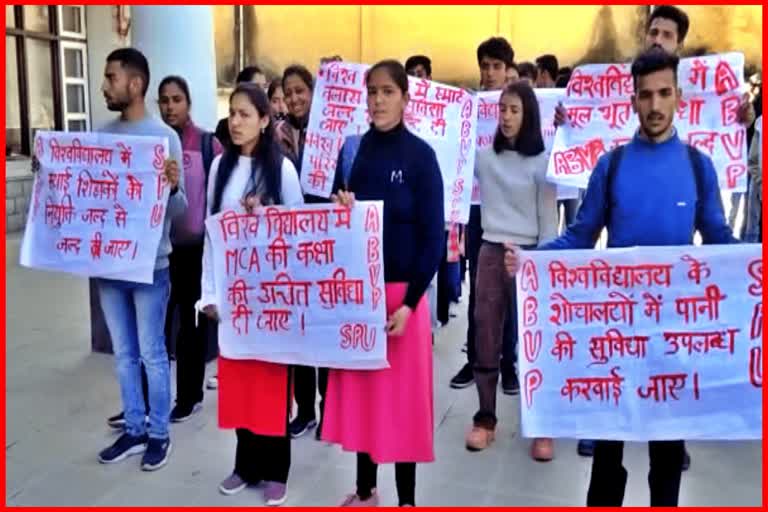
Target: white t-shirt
[(235, 190)]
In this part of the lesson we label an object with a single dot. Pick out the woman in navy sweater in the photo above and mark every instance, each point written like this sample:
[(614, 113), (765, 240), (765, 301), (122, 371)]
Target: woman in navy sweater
[(387, 415)]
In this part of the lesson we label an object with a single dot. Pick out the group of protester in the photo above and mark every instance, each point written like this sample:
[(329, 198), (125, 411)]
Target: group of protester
[(386, 416)]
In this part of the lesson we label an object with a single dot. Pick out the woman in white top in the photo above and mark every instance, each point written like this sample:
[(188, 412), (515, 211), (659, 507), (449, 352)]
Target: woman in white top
[(519, 206), (254, 396)]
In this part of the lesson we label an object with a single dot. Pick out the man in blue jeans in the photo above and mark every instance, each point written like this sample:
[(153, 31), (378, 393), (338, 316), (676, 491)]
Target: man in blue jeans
[(135, 312)]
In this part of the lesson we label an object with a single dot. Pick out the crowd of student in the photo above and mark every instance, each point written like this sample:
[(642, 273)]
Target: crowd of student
[(386, 416)]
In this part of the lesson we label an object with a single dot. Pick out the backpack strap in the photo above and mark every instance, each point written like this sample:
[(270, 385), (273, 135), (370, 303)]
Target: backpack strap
[(613, 166), (697, 165)]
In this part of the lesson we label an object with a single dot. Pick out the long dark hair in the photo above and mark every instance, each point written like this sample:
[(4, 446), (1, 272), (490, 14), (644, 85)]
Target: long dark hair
[(529, 141), (266, 159)]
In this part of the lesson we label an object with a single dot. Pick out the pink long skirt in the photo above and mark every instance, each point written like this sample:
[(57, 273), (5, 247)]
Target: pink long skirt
[(388, 413)]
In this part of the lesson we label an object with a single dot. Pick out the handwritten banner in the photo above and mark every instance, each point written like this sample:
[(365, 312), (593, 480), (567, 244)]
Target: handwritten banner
[(601, 117), (442, 115), (639, 344), (302, 285), (488, 123), (98, 205)]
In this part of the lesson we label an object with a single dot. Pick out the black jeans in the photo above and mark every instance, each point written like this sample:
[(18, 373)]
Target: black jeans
[(306, 383), (609, 478), (405, 479), (262, 458), (474, 239), (192, 341)]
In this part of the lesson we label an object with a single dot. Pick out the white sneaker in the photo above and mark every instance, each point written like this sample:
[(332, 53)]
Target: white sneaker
[(213, 382)]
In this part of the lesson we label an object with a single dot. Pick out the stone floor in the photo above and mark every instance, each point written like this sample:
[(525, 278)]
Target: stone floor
[(59, 395)]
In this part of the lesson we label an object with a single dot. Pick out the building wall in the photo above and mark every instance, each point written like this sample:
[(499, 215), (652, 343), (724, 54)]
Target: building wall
[(102, 39), (450, 34)]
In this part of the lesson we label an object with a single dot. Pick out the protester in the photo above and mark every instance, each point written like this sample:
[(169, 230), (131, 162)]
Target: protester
[(518, 207), (291, 133), (667, 191), (254, 396), (513, 74), (547, 69), (442, 289), (419, 66), (527, 72), (564, 74), (386, 416), (252, 74), (666, 29), (135, 312), (494, 57), (276, 97)]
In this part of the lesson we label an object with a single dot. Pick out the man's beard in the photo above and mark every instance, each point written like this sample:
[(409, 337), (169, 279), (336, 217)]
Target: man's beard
[(118, 104)]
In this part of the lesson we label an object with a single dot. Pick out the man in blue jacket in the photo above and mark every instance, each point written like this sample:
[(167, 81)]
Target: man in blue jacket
[(654, 191)]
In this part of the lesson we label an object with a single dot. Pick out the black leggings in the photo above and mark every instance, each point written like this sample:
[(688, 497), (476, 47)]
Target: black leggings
[(405, 477), (262, 458)]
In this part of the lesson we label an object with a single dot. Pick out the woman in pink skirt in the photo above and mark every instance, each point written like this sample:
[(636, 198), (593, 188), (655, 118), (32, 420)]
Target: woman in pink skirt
[(386, 416)]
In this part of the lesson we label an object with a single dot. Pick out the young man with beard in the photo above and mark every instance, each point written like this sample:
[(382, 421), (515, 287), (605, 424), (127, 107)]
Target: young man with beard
[(135, 312), (662, 182)]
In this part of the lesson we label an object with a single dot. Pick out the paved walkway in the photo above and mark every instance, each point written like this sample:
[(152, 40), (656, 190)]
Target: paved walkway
[(59, 395)]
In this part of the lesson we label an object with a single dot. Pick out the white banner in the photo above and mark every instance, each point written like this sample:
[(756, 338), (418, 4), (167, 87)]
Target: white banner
[(440, 114), (302, 285), (601, 117), (98, 205), (488, 123), (652, 343)]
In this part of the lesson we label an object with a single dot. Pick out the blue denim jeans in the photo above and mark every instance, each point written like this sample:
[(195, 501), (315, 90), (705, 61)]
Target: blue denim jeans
[(135, 317)]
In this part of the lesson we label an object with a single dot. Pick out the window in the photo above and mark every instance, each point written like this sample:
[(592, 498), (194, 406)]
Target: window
[(46, 78), (72, 21), (74, 81), (12, 110)]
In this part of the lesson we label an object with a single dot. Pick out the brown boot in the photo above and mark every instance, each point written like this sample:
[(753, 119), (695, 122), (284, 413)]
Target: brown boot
[(542, 449), (480, 438)]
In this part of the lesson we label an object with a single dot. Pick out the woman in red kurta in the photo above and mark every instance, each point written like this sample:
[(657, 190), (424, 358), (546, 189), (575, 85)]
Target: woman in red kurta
[(254, 396)]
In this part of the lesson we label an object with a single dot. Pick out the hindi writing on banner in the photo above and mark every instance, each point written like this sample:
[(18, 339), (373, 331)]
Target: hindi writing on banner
[(98, 205), (652, 343), (442, 115), (301, 285), (488, 123), (601, 117)]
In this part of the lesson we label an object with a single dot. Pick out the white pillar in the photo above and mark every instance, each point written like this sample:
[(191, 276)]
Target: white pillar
[(178, 40)]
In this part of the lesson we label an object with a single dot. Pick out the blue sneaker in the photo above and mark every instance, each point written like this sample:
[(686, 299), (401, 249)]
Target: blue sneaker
[(156, 456), (125, 446), (586, 448)]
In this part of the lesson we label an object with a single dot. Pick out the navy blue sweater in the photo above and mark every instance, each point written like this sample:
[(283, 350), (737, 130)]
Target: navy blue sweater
[(399, 168), (653, 201)]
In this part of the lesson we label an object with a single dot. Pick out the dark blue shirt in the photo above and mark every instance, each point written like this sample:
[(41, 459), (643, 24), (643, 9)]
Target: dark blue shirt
[(653, 201), (400, 169)]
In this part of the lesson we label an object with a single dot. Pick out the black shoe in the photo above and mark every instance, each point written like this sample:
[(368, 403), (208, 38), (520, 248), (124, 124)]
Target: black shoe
[(117, 421), (125, 446), (686, 461), (586, 448), (156, 456), (509, 384), (464, 378), (299, 426), (180, 414)]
